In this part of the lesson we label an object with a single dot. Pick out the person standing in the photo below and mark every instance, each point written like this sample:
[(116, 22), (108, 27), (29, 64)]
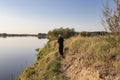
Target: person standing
[(61, 46)]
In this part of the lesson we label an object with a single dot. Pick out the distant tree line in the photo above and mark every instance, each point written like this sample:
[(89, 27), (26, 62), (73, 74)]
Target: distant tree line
[(15, 35), (3, 34), (41, 35), (91, 34), (65, 32)]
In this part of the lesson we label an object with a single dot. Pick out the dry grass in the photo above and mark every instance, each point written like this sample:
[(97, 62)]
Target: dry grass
[(92, 58)]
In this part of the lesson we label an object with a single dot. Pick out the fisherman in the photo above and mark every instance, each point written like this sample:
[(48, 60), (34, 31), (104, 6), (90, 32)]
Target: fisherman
[(61, 46)]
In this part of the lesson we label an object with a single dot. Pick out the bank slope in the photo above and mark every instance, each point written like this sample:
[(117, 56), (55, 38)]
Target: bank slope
[(86, 58)]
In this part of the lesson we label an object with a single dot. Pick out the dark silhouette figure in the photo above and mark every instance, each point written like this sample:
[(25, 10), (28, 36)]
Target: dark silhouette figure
[(61, 46)]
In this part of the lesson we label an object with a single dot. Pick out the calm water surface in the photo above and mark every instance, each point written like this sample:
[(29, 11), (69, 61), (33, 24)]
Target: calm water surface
[(16, 53)]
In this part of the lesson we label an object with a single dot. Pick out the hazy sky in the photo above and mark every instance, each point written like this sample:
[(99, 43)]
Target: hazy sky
[(34, 16)]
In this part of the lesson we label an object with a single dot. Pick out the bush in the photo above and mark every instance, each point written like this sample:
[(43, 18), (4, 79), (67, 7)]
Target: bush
[(65, 32), (90, 34), (111, 17)]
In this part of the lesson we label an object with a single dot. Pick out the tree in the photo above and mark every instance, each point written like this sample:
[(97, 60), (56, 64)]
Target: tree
[(65, 32), (111, 17)]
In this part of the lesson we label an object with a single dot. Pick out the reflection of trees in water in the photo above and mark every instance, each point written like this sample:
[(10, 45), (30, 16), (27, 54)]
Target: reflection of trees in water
[(23, 36)]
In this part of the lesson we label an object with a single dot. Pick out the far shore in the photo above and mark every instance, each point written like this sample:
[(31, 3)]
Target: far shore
[(40, 35)]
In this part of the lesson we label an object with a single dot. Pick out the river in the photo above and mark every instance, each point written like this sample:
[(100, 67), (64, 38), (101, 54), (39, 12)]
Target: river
[(16, 53)]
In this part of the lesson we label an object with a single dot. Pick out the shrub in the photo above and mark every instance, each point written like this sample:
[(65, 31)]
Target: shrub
[(111, 17), (91, 34), (65, 32)]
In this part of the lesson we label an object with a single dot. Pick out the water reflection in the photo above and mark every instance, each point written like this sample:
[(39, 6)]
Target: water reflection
[(17, 53)]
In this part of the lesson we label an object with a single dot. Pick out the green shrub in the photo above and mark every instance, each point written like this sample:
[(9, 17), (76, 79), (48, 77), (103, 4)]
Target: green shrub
[(65, 32)]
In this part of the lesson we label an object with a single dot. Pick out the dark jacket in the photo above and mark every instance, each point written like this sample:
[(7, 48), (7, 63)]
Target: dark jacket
[(60, 41)]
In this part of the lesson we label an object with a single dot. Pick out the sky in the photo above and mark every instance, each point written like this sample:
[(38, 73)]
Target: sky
[(41, 16)]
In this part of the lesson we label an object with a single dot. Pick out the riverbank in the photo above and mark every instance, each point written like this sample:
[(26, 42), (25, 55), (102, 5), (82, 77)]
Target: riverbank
[(86, 58)]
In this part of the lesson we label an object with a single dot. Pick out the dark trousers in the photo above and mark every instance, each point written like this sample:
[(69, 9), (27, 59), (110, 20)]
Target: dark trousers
[(61, 50)]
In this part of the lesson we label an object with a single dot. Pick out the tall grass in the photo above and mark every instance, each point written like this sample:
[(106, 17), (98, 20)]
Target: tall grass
[(47, 65), (98, 53), (101, 53)]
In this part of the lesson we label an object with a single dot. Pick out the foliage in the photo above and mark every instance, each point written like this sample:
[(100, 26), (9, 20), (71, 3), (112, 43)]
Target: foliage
[(41, 35), (111, 17), (90, 34), (65, 32)]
